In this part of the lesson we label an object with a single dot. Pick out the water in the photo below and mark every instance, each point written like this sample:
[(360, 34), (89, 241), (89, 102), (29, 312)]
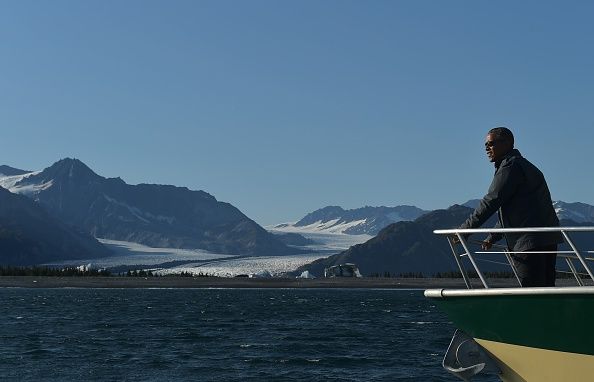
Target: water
[(221, 335)]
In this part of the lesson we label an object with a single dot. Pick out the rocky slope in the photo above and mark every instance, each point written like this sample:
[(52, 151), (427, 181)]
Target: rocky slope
[(154, 215), (30, 236)]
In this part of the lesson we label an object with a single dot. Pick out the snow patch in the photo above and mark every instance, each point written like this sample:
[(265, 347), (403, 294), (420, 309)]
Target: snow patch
[(129, 253), (10, 183), (84, 267), (306, 275), (32, 189), (273, 265), (331, 226), (325, 241)]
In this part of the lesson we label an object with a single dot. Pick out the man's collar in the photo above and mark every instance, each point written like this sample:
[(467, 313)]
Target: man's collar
[(510, 154)]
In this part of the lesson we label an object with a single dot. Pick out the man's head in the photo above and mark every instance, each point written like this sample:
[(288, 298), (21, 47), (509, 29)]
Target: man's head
[(498, 143)]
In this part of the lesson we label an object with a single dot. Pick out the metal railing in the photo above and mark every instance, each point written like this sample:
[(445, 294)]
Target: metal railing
[(568, 255)]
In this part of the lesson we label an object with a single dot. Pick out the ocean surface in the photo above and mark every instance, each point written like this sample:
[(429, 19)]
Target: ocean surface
[(221, 335)]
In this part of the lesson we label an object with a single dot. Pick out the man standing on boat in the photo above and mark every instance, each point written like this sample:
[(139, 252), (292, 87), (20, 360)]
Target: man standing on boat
[(521, 197)]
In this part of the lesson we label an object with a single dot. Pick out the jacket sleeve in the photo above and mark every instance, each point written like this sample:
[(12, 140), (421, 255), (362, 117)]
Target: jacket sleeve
[(495, 237), (506, 181)]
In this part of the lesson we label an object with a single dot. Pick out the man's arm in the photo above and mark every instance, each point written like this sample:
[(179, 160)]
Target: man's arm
[(492, 238), (505, 183), (495, 237)]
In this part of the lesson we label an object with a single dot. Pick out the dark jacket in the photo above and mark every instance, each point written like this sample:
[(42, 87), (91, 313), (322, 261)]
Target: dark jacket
[(520, 195)]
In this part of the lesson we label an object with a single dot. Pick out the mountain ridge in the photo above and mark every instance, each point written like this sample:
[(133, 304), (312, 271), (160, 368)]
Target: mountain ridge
[(575, 211), (370, 220), (365, 220), (150, 214), (11, 171)]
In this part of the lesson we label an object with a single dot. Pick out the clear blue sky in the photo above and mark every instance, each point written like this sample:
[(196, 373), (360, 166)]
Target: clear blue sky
[(283, 107)]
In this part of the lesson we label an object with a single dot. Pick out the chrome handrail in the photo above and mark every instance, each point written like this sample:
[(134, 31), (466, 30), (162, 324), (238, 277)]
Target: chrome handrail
[(461, 234), (511, 230)]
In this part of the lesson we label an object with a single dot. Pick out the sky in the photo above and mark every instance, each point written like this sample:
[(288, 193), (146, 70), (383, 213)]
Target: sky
[(283, 107)]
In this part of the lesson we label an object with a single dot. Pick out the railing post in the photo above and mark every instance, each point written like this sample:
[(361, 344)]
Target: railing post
[(513, 267), (478, 271), (460, 265), (574, 271), (577, 253)]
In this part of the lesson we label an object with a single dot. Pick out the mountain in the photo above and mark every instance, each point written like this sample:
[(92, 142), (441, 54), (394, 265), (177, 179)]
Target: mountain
[(576, 212), (150, 214), (370, 220), (11, 171), (294, 239), (29, 235), (366, 220), (472, 203), (403, 247)]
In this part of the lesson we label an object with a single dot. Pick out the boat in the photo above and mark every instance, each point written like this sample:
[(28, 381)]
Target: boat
[(342, 270), (520, 334)]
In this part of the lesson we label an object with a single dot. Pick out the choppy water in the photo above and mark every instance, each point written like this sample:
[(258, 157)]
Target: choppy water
[(221, 335)]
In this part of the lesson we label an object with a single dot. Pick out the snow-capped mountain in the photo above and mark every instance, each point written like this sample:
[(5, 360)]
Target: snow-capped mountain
[(155, 215), (370, 220), (17, 185), (360, 221), (402, 247), (10, 176), (577, 212)]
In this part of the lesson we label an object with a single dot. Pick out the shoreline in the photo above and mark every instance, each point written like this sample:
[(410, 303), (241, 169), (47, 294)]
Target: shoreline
[(236, 282)]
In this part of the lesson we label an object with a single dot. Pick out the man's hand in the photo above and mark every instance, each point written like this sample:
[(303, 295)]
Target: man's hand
[(486, 245)]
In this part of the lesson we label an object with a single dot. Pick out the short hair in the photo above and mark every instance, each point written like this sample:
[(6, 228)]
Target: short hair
[(503, 133)]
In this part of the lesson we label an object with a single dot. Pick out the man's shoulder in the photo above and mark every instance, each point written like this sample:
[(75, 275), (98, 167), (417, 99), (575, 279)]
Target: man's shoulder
[(513, 161), (520, 165), (514, 158)]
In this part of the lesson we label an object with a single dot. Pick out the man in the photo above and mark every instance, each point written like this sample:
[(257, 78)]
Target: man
[(520, 195)]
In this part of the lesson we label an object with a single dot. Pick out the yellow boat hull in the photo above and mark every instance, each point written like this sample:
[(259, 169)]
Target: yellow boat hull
[(525, 364)]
